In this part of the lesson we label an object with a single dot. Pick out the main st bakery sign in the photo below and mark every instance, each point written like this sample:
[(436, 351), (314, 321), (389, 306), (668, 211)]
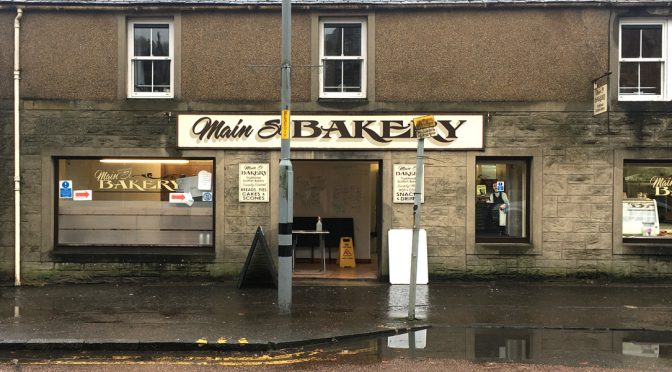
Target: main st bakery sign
[(454, 132)]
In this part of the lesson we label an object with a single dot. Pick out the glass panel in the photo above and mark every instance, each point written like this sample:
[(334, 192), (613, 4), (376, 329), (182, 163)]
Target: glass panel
[(142, 35), (650, 78), (652, 42), (130, 204), (161, 76), (332, 40), (352, 40), (501, 199), (352, 76), (630, 36), (160, 41), (628, 80), (647, 200), (332, 76), (143, 76)]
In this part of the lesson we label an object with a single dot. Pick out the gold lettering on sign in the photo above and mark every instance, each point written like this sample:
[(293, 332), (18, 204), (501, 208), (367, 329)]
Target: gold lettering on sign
[(121, 174), (144, 185), (658, 181), (661, 184)]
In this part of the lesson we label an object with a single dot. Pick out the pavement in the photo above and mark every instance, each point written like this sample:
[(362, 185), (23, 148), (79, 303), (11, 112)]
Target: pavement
[(194, 315)]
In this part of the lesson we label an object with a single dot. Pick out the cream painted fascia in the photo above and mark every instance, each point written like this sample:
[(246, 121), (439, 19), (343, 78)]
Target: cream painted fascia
[(535, 246)]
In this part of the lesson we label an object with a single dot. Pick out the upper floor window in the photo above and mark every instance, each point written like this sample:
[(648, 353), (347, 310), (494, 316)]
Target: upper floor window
[(343, 58), (150, 59), (642, 60)]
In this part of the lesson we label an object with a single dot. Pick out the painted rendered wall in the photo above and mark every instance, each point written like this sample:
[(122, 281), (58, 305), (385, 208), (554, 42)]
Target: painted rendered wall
[(236, 56), (7, 55), (490, 55), (69, 56)]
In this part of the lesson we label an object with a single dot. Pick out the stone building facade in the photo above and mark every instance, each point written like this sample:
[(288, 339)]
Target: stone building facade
[(526, 68)]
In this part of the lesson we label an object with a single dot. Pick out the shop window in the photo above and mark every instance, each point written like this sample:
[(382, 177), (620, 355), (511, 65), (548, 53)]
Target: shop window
[(150, 59), (134, 202), (502, 200), (642, 60), (342, 58), (647, 201)]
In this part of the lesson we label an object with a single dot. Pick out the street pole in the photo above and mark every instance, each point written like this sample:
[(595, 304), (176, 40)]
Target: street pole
[(417, 202), (286, 173), (424, 127)]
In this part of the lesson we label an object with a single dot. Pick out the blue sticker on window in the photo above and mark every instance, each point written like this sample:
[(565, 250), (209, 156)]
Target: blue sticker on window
[(65, 190)]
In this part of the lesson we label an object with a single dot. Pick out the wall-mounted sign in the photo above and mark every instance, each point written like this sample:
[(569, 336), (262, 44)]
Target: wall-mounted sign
[(381, 132), (65, 189), (253, 185), (600, 100), (404, 184)]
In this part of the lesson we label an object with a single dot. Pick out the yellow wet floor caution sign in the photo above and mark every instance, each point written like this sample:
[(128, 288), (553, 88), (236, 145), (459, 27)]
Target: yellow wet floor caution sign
[(347, 252)]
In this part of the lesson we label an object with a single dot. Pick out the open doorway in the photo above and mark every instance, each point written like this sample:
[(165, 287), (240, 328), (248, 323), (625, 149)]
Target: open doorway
[(346, 195)]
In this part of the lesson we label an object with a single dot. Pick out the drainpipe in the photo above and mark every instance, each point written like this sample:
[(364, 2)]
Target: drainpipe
[(17, 175)]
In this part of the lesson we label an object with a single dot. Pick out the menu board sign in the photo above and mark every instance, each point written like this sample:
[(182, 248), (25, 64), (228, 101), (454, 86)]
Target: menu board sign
[(404, 184), (253, 185)]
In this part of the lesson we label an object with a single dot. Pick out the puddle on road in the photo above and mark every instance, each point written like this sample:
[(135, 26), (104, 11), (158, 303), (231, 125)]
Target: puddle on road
[(563, 347), (641, 350)]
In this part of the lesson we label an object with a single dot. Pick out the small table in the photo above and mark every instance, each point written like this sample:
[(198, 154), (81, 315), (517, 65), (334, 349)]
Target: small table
[(320, 234)]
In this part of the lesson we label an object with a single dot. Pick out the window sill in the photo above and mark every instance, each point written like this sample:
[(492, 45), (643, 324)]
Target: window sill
[(505, 248), (343, 101), (133, 254), (652, 105)]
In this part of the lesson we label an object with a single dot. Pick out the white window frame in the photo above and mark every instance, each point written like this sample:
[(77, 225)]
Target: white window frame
[(131, 57), (362, 57), (666, 68)]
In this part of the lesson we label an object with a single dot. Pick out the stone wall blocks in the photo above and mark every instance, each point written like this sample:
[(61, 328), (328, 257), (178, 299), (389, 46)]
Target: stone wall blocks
[(557, 225), (581, 179), (555, 185), (573, 245), (550, 206), (585, 226), (581, 189), (601, 213), (571, 210)]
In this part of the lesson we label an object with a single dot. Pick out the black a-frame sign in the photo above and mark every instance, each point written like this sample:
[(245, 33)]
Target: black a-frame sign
[(259, 269)]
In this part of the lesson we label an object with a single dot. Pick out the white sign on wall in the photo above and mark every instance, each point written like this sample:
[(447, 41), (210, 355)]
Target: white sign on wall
[(600, 99), (383, 132), (253, 185), (404, 184)]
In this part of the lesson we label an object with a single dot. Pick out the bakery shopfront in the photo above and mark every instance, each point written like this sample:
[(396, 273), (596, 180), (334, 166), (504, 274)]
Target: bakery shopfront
[(352, 171)]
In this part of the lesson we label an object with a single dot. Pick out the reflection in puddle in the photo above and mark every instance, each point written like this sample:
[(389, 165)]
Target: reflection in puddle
[(640, 350), (510, 344), (403, 341), (615, 349)]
